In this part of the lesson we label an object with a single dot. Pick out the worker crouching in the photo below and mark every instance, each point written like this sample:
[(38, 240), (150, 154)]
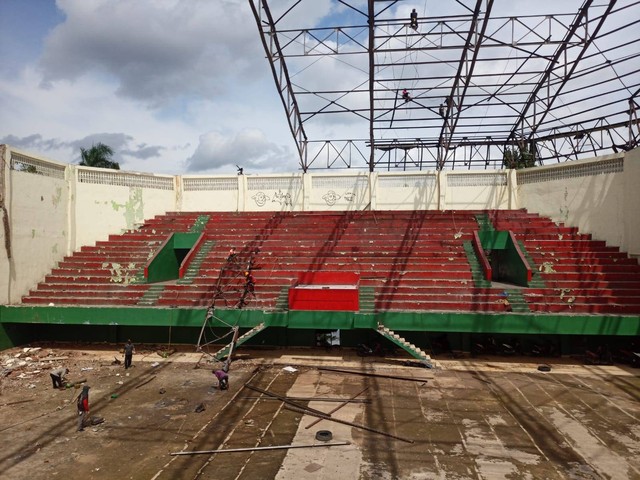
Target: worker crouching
[(223, 379)]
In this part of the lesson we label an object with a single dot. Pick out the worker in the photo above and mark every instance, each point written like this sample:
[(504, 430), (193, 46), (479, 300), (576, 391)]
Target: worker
[(82, 403), (232, 255), (223, 379), (414, 19), (128, 353), (250, 282), (57, 377), (405, 95)]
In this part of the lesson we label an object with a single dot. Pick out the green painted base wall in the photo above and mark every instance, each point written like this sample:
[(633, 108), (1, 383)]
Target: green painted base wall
[(23, 324)]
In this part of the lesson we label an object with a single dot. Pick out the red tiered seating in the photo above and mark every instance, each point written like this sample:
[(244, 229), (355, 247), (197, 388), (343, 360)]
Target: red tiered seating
[(412, 261), (580, 275)]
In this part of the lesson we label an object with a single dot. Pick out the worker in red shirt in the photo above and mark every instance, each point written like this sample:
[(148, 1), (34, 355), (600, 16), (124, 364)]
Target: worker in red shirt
[(83, 408)]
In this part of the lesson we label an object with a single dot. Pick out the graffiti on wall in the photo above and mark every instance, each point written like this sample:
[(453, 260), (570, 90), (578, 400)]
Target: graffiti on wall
[(260, 198), (283, 198), (331, 197)]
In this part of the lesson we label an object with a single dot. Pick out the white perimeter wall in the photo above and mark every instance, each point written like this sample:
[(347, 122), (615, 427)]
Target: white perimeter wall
[(55, 208), (599, 196)]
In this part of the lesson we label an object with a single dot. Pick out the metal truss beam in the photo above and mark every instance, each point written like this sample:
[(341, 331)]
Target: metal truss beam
[(544, 94), (480, 82), (452, 106), (273, 50)]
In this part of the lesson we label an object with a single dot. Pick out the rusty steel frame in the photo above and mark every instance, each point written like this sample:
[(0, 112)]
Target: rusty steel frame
[(565, 85)]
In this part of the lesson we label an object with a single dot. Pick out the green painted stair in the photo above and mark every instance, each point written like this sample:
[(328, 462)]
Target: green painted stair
[(484, 223), (536, 279), (517, 301), (477, 273), (408, 347), (367, 299), (151, 296), (194, 267), (282, 302), (199, 224), (224, 351)]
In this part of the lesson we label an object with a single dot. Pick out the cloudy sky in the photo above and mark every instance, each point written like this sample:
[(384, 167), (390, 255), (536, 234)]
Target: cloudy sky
[(173, 86), (176, 86)]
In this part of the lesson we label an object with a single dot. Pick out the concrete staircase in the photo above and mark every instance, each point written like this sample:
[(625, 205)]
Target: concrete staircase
[(194, 267), (477, 273), (151, 296), (367, 299), (410, 348), (224, 351)]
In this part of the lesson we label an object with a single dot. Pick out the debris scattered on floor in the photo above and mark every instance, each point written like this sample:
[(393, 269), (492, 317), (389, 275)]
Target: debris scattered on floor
[(290, 369), (200, 408)]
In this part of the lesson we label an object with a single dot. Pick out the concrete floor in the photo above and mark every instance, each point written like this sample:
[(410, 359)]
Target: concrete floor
[(485, 418)]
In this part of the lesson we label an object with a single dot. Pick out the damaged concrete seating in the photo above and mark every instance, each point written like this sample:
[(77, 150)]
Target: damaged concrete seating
[(409, 261)]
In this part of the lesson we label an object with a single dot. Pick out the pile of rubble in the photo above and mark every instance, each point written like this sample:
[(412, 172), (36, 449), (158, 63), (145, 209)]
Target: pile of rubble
[(28, 362)]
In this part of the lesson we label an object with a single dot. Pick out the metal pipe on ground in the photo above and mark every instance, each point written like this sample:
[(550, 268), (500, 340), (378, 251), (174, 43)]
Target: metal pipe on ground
[(284, 399), (344, 422), (343, 404), (378, 375), (252, 449)]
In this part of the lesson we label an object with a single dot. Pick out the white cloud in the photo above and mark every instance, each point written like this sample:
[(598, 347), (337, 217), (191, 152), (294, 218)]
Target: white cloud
[(249, 149)]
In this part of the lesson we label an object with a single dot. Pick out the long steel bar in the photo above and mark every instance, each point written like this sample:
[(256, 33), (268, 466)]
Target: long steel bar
[(345, 422), (283, 399), (253, 449), (343, 404), (367, 374), (312, 399)]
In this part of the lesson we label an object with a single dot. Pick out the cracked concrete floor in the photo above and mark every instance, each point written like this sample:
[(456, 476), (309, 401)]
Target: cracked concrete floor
[(470, 418)]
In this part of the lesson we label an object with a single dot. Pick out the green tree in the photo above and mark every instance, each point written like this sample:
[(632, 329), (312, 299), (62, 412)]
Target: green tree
[(518, 157), (98, 156)]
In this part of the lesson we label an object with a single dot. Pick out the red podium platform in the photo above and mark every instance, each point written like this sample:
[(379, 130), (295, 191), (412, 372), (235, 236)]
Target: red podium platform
[(336, 291)]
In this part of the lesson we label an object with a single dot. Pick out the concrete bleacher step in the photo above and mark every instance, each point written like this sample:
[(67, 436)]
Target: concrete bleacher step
[(413, 261)]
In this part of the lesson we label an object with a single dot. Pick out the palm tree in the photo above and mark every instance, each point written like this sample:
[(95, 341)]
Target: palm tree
[(98, 156)]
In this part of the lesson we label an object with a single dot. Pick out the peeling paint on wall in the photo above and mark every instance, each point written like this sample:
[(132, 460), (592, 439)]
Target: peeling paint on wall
[(55, 199), (33, 233), (564, 210), (121, 274), (133, 209), (54, 249)]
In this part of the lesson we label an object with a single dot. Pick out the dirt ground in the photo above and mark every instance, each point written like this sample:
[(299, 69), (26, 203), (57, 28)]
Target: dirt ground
[(486, 418)]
